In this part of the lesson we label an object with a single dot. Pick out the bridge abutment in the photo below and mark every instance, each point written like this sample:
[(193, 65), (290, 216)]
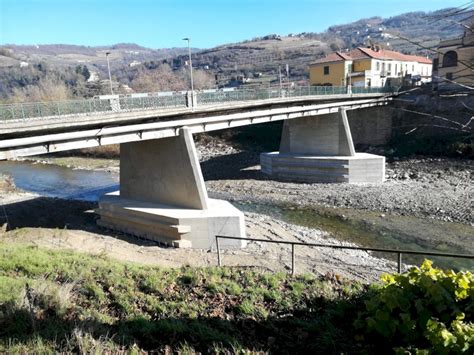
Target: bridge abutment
[(320, 149), (163, 197)]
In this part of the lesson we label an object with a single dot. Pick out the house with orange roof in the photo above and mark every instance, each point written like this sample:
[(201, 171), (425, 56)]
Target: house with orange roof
[(369, 67)]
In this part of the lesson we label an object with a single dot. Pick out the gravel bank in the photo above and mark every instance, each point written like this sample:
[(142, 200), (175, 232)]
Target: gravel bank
[(439, 188)]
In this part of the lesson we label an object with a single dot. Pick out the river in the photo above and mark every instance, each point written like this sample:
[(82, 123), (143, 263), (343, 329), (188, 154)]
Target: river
[(366, 228)]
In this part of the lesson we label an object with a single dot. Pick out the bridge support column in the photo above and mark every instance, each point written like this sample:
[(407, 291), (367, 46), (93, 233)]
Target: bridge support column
[(320, 149), (163, 197)]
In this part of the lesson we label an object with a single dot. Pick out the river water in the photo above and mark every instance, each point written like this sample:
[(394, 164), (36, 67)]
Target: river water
[(61, 182), (366, 228)]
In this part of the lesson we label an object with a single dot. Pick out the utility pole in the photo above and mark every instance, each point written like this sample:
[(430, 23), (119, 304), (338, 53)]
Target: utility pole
[(190, 63), (349, 87), (110, 76), (279, 75)]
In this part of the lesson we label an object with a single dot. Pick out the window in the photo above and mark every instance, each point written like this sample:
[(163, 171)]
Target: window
[(389, 67), (326, 70), (378, 66), (396, 73), (413, 68), (450, 59)]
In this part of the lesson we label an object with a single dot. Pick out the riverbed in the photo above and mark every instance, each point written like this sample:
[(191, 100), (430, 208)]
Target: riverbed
[(365, 227)]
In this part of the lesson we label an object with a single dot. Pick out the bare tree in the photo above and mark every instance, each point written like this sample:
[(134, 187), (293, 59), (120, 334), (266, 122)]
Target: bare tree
[(160, 79), (48, 89)]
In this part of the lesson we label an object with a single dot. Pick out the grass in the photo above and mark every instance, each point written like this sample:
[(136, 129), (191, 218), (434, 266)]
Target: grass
[(61, 301)]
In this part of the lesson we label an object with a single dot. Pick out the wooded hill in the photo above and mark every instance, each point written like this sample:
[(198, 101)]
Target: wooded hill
[(253, 62)]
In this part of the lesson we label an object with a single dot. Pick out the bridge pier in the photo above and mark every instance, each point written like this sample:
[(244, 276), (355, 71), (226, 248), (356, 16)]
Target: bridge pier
[(163, 197), (320, 149)]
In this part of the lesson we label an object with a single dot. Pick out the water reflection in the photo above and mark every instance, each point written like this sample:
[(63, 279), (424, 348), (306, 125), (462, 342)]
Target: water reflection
[(61, 182)]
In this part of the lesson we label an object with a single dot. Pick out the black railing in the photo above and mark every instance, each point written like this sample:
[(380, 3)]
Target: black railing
[(399, 252)]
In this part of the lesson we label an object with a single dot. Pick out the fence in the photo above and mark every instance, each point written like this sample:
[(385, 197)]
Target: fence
[(122, 103), (399, 252)]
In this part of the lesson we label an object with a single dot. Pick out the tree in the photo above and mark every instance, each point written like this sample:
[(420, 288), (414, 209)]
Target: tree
[(48, 89), (85, 72), (201, 78), (160, 79)]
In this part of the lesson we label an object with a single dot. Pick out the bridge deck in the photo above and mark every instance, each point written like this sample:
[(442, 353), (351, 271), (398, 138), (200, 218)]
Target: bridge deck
[(34, 125), (33, 136)]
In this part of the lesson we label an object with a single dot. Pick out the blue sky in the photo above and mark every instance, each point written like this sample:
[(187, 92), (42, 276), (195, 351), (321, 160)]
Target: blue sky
[(163, 23)]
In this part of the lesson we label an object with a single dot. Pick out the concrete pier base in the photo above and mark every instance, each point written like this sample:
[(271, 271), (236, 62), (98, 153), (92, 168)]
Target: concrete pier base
[(362, 167), (163, 197), (173, 226), (320, 149)]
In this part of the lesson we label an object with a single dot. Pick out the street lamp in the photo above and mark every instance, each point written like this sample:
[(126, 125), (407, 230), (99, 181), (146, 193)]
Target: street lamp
[(110, 76), (190, 63)]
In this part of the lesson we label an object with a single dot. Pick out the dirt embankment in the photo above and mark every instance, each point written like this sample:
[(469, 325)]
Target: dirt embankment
[(62, 224)]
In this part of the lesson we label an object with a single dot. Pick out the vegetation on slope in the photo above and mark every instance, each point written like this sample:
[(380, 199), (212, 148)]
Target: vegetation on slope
[(166, 69), (62, 301), (69, 302)]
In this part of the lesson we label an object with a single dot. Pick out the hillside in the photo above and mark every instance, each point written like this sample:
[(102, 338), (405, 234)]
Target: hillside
[(251, 62), (62, 55), (265, 54)]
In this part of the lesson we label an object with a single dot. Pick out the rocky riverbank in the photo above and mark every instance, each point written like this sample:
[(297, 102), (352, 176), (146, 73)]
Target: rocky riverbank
[(417, 189), (439, 188), (62, 224)]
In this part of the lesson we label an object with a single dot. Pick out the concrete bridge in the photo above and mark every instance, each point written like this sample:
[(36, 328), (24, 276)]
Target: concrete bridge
[(162, 192)]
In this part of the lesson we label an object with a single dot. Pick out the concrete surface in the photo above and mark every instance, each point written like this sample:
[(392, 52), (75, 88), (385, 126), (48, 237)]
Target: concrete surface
[(49, 136), (324, 135), (163, 171), (163, 197), (321, 149), (371, 126), (177, 227), (361, 168)]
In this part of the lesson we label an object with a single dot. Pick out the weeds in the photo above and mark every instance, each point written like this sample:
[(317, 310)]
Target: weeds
[(116, 307)]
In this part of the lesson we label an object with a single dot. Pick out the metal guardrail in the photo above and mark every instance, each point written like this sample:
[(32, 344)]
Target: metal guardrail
[(399, 252), (122, 103)]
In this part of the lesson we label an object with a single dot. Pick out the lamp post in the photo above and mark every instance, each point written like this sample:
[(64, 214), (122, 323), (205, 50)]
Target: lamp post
[(190, 63), (110, 76)]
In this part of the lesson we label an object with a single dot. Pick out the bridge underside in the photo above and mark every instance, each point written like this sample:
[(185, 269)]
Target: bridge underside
[(163, 197), (320, 149), (162, 194)]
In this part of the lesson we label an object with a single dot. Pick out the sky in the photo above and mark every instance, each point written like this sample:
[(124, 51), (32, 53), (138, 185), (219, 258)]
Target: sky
[(163, 23)]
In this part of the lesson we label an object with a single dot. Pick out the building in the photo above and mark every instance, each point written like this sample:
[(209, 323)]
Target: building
[(454, 62), (134, 63), (365, 67)]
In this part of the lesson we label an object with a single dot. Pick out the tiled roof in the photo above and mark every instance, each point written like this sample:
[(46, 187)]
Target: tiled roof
[(386, 54), (382, 54), (417, 58), (333, 57)]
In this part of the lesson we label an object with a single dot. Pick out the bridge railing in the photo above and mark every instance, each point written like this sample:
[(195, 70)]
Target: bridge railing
[(87, 107), (152, 102)]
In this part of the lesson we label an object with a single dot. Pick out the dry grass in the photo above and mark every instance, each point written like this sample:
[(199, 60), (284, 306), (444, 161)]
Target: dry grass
[(107, 152)]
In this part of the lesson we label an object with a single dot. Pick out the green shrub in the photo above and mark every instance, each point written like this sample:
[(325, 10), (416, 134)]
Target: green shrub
[(424, 308)]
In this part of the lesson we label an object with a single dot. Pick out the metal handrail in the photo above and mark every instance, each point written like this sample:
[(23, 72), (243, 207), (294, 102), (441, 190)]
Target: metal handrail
[(123, 103), (399, 252)]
